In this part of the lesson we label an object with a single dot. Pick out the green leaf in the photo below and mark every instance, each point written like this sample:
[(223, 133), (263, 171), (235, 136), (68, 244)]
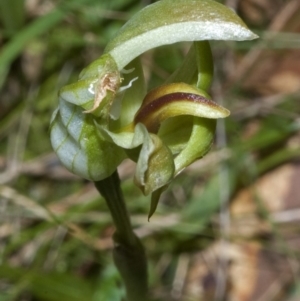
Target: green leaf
[(12, 15), (170, 21), (50, 286)]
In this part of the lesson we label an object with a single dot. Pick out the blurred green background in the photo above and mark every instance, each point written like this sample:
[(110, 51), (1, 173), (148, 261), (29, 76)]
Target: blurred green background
[(226, 229)]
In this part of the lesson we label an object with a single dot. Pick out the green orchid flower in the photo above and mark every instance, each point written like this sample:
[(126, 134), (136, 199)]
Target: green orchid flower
[(108, 115)]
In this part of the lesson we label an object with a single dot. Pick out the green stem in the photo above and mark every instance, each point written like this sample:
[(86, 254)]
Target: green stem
[(205, 64), (111, 191), (200, 74), (129, 255)]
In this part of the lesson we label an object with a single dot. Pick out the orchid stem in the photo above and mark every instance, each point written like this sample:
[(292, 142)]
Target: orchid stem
[(205, 65), (128, 253)]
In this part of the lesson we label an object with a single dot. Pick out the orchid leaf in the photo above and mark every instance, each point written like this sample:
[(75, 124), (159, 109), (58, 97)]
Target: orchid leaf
[(170, 21)]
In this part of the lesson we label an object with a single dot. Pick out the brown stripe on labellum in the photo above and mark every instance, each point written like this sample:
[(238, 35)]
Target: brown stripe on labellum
[(187, 100)]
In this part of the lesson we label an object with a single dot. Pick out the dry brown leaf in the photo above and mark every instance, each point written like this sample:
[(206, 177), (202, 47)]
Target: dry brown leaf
[(258, 12), (253, 273), (266, 71), (277, 72), (277, 192)]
